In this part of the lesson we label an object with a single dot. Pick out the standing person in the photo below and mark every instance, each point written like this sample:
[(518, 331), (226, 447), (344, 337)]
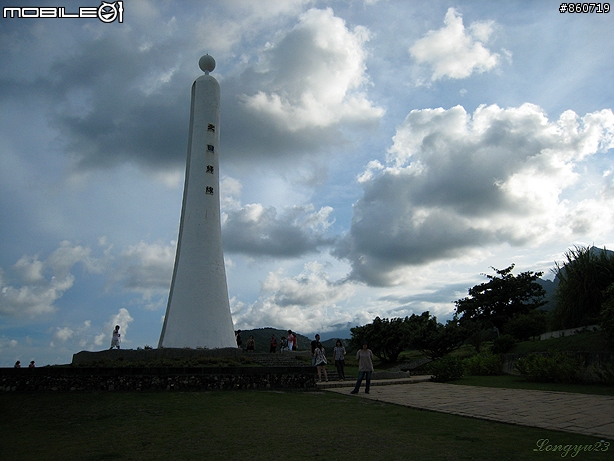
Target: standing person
[(238, 339), (31, 364), (115, 340), (251, 344), (17, 364), (284, 344), (313, 346), (364, 357), (339, 355), (320, 359), (273, 347), (291, 339)]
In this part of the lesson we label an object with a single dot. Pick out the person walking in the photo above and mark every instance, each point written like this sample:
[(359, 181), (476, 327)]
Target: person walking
[(339, 356), (312, 348), (320, 359), (364, 357), (291, 341), (115, 340)]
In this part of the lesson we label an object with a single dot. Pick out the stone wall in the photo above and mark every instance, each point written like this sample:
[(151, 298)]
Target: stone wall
[(156, 379), (136, 355), (569, 332)]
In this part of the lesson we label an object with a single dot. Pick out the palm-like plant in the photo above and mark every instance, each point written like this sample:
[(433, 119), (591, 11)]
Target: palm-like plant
[(587, 272)]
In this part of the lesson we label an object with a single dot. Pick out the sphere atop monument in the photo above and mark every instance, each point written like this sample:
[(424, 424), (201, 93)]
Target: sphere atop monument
[(206, 63)]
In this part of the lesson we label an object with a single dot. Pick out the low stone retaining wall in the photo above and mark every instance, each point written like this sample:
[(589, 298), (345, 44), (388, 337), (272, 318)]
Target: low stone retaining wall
[(135, 355), (569, 332), (156, 379)]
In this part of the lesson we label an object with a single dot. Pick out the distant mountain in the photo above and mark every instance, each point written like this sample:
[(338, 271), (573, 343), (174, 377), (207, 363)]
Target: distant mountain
[(262, 338), (550, 287), (337, 334)]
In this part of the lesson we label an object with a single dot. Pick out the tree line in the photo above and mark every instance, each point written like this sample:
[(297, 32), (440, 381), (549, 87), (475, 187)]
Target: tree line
[(505, 308)]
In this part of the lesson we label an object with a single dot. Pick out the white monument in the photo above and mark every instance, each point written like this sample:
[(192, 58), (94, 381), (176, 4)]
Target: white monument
[(198, 312)]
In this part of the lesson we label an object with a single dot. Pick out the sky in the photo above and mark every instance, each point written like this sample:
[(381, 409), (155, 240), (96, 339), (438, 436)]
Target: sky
[(376, 159)]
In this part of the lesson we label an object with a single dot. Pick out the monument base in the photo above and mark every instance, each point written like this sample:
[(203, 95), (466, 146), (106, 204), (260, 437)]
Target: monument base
[(144, 355)]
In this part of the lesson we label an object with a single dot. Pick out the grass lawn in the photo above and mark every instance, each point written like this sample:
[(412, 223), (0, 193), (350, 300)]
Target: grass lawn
[(254, 425)]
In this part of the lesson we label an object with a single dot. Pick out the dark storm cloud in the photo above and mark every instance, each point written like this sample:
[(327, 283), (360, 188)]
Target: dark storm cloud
[(131, 114), (119, 96), (113, 103)]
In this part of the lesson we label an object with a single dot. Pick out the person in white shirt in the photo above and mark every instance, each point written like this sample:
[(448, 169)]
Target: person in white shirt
[(115, 340), (364, 357)]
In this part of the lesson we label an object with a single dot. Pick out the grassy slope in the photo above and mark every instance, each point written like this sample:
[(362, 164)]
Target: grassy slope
[(585, 342)]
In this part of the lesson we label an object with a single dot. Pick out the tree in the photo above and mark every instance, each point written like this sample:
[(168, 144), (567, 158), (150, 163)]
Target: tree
[(386, 338), (432, 338), (582, 281), (524, 326), (493, 303)]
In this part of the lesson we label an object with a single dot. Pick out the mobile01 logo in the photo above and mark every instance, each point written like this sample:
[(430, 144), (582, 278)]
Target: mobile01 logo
[(106, 12)]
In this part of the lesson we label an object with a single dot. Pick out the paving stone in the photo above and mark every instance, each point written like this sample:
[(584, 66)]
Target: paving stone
[(563, 411)]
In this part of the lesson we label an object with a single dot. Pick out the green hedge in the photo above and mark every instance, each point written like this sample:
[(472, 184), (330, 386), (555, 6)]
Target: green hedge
[(446, 369), (558, 368), (484, 364)]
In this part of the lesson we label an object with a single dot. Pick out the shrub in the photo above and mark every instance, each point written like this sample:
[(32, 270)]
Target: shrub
[(446, 369), (524, 326), (559, 368), (605, 373), (503, 344), (607, 314), (484, 364)]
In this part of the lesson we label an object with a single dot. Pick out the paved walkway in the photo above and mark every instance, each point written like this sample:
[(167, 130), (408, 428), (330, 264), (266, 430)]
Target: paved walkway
[(559, 411)]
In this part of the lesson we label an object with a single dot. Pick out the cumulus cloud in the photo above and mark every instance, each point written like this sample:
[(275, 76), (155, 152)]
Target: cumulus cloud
[(228, 23), (314, 75), (307, 302), (86, 337), (121, 318), (256, 230), (75, 336), (38, 284), (146, 269), (64, 333), (7, 343), (455, 52), (455, 181)]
